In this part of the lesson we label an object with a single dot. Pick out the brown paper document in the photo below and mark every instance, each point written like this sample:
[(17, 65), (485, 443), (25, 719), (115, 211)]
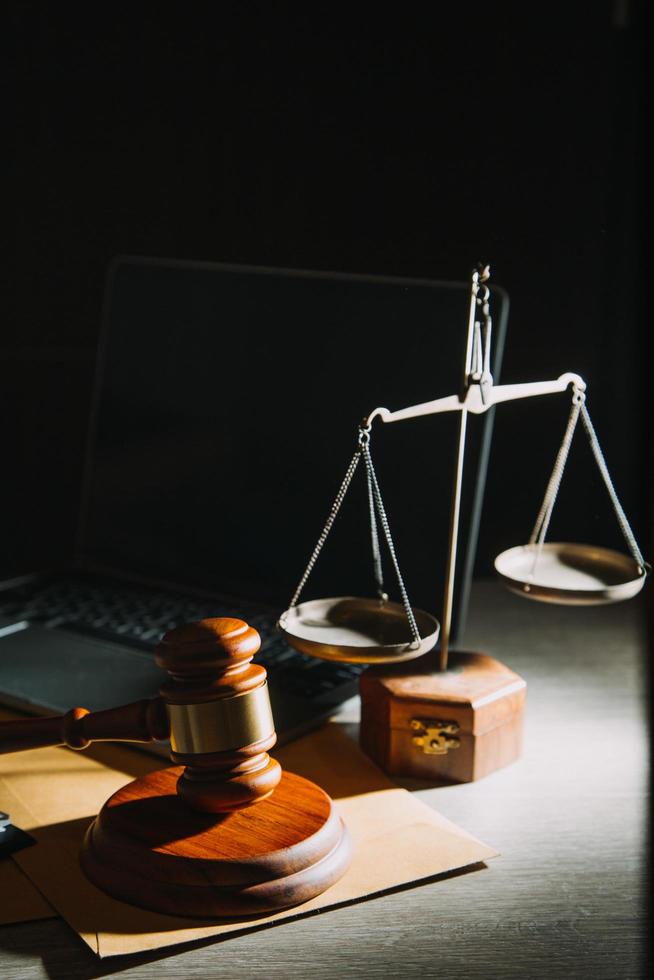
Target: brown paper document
[(20, 901), (54, 794)]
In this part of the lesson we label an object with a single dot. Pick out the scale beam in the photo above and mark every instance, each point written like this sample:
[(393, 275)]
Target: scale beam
[(478, 401), (377, 631), (478, 395)]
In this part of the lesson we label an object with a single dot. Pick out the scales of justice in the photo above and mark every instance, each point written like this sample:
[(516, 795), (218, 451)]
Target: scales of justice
[(461, 717), (223, 831)]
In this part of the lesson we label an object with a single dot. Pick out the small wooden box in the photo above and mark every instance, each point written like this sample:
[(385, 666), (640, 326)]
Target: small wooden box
[(455, 726)]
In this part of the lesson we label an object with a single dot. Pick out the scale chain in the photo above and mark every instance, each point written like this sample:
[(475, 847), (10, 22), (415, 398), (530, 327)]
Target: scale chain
[(375, 502), (336, 506), (389, 541), (544, 515), (374, 536), (543, 520), (617, 506)]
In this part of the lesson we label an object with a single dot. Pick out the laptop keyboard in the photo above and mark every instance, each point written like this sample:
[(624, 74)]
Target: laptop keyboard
[(138, 618)]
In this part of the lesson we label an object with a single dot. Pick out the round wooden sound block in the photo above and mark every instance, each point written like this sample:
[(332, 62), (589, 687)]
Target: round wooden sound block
[(147, 847)]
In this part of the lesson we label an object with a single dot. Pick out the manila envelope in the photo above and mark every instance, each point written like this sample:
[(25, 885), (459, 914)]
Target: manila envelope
[(21, 902), (54, 793)]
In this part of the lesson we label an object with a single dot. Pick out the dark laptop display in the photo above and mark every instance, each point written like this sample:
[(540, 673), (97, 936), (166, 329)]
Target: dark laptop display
[(227, 403)]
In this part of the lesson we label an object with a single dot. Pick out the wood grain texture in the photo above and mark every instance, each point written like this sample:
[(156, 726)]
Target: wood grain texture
[(483, 696), (567, 897), (140, 721), (209, 659), (209, 662), (146, 847), (224, 750)]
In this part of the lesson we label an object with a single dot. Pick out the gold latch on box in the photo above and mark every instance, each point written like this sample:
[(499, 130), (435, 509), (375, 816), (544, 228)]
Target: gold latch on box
[(435, 737)]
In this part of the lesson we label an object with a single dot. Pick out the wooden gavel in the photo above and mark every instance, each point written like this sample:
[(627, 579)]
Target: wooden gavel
[(220, 855), (214, 707)]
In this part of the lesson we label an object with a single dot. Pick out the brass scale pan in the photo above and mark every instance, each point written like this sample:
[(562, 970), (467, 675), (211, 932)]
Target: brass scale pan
[(359, 630), (355, 630), (351, 629), (570, 574), (366, 630), (574, 574)]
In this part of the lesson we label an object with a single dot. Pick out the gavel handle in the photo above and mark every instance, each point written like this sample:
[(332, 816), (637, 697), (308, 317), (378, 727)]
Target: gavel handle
[(141, 721)]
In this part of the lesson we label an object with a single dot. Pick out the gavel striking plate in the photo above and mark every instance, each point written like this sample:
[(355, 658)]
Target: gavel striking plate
[(223, 832)]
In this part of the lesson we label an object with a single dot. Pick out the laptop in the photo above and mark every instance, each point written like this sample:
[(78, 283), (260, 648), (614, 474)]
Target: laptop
[(226, 407)]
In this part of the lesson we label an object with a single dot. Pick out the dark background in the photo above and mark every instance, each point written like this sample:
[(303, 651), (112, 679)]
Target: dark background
[(342, 137)]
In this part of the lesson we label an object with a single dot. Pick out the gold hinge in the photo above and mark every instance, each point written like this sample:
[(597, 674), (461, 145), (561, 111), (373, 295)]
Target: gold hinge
[(435, 737)]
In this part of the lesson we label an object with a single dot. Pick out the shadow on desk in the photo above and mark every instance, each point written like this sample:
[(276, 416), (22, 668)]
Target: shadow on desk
[(62, 961)]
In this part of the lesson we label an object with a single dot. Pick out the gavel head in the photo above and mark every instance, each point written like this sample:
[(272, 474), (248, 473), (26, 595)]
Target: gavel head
[(221, 724)]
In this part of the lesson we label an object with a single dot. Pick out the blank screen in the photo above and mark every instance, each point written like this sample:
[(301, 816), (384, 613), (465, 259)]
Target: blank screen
[(227, 410)]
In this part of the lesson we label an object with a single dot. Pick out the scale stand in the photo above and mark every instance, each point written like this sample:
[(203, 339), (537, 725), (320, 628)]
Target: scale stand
[(463, 720)]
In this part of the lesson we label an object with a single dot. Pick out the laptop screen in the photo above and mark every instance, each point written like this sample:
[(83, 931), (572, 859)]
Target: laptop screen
[(227, 406)]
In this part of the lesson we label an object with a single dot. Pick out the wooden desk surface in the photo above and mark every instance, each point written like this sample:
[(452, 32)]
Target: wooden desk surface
[(565, 899)]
